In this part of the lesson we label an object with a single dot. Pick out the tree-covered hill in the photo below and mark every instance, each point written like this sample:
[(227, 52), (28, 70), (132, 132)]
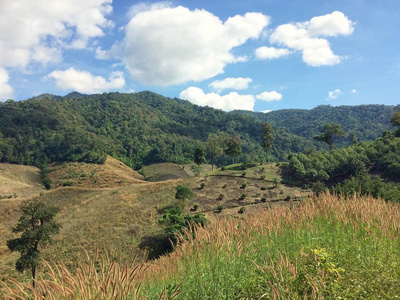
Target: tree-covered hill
[(367, 122), (143, 128)]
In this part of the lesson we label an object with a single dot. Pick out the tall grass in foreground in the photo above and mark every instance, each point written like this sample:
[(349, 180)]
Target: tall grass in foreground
[(326, 248)]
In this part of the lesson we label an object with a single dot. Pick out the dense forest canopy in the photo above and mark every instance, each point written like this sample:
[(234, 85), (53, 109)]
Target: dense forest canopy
[(143, 128)]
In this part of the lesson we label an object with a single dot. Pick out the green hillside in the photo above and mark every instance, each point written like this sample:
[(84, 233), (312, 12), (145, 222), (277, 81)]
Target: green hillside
[(144, 128)]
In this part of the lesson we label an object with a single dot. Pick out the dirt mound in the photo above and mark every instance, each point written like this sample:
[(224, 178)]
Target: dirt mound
[(112, 173), (18, 181)]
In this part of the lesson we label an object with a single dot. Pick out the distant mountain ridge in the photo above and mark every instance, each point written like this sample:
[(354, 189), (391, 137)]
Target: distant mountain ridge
[(143, 128)]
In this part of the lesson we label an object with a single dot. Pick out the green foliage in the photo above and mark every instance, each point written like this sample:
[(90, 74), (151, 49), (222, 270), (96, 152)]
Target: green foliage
[(175, 221), (232, 147), (44, 176), (318, 187), (200, 155), (373, 185), (242, 210), (219, 208), (382, 155), (144, 128), (36, 226), (267, 134), (329, 133), (183, 193)]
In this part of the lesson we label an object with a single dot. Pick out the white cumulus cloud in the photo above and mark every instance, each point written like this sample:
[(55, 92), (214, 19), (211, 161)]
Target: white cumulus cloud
[(6, 91), (227, 102), (354, 91), (238, 83), (166, 45), (271, 52), (306, 37), (85, 82), (37, 30), (334, 94), (269, 96)]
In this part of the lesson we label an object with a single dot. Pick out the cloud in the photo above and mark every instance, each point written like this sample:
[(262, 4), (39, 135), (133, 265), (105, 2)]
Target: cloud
[(354, 91), (36, 31), (266, 111), (6, 91), (227, 102), (271, 52), (269, 96), (239, 83), (305, 37), (166, 45), (85, 82), (334, 94)]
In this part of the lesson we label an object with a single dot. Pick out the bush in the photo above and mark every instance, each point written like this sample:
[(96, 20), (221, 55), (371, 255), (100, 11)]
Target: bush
[(262, 177), (244, 184), (202, 185), (263, 188), (183, 193), (195, 207), (242, 196), (221, 196), (318, 187), (288, 197), (243, 174), (241, 210), (219, 208), (264, 199), (68, 183), (222, 168)]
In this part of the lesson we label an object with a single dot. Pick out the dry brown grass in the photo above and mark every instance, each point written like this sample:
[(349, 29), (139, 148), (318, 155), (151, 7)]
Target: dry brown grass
[(19, 182), (111, 174)]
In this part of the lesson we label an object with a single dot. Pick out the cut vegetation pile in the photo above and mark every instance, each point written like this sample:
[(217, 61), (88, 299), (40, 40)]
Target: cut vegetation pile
[(330, 247)]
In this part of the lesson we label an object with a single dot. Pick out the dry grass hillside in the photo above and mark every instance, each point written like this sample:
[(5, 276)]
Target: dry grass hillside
[(112, 173), (19, 182), (111, 207)]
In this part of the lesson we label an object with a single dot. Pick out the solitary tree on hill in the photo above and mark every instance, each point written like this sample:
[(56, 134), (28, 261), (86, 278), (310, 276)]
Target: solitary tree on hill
[(36, 226), (267, 137), (329, 133)]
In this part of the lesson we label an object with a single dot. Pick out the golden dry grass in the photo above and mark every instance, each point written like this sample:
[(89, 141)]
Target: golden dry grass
[(112, 173), (98, 278)]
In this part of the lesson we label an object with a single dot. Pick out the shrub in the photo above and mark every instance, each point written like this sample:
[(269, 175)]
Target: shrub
[(68, 183), (183, 193), (241, 210), (244, 184), (262, 177), (243, 174), (222, 168), (224, 186), (195, 207), (287, 198), (221, 196), (263, 188), (263, 199), (202, 185), (243, 196), (219, 208), (318, 187)]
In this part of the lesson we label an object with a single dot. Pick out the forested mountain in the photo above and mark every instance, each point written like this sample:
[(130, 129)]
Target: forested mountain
[(143, 128)]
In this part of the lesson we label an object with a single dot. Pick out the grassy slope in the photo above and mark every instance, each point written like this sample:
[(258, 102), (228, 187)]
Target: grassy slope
[(111, 208), (327, 248)]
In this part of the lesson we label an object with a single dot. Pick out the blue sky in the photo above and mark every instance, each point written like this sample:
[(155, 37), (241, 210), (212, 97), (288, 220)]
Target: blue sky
[(256, 55)]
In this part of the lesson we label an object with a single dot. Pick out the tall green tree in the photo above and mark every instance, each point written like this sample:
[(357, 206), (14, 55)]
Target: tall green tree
[(329, 133), (268, 137), (36, 226), (200, 155), (232, 147), (215, 146)]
